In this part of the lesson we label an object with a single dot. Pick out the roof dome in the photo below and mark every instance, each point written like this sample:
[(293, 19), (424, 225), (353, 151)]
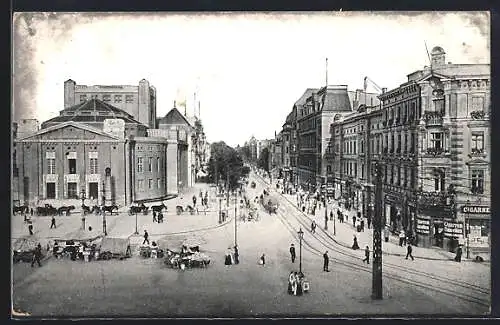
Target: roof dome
[(437, 50)]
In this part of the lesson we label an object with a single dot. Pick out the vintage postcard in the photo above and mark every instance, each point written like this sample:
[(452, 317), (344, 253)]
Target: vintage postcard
[(250, 164)]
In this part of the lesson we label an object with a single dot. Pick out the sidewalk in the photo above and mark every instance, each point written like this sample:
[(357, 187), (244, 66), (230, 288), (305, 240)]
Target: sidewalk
[(346, 231)]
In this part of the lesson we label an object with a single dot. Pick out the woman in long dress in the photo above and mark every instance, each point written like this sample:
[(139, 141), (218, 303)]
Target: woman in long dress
[(355, 243)]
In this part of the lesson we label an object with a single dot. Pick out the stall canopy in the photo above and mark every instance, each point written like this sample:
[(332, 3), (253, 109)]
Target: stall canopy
[(115, 245), (83, 235)]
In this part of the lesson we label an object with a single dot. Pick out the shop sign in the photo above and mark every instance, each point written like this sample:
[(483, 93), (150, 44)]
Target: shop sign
[(423, 226), (475, 209), (453, 229)]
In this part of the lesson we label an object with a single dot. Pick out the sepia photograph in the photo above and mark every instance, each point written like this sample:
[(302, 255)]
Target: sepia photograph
[(250, 164)]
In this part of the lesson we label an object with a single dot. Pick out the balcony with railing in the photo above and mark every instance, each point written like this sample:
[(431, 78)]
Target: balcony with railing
[(477, 152), (435, 151), (433, 118)]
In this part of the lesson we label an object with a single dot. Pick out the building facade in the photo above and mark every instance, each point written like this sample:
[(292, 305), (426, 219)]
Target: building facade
[(139, 101), (101, 158), (432, 137)]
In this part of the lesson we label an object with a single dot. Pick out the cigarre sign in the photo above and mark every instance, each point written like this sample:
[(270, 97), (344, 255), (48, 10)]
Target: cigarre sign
[(473, 209)]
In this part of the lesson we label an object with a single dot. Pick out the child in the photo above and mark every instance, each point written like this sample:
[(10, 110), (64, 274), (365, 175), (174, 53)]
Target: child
[(367, 255)]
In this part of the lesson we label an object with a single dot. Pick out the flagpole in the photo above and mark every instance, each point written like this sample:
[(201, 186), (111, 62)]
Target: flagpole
[(326, 73)]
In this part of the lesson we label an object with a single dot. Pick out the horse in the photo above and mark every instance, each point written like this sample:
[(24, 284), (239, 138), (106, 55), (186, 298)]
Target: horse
[(137, 209), (21, 209), (65, 209), (87, 209), (158, 208), (46, 210), (110, 209)]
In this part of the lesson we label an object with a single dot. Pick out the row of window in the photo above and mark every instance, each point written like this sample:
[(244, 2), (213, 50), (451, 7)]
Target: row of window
[(351, 168), (107, 98), (140, 184), (400, 176), (149, 165), (93, 166)]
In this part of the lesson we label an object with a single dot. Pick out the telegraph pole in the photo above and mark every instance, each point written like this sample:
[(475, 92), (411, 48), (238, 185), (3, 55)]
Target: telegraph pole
[(377, 236)]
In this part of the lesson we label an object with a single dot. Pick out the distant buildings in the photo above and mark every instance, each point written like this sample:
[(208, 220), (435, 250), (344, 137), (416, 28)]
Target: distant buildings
[(431, 135)]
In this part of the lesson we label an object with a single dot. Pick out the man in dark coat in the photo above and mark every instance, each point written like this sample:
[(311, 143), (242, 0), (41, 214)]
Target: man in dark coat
[(326, 259), (154, 216), (194, 200), (408, 252), (53, 222), (331, 215), (37, 255), (458, 257), (292, 253), (146, 237), (30, 228)]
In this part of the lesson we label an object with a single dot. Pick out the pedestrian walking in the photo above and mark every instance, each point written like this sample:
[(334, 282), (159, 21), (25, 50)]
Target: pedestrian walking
[(194, 200), (154, 216), (53, 222), (326, 260), (236, 255), (367, 255), (409, 249), (402, 237), (355, 243), (292, 253), (262, 260), (146, 237), (331, 215), (37, 255), (31, 212), (228, 260), (313, 227), (354, 221), (362, 225), (30, 229), (386, 234), (458, 257)]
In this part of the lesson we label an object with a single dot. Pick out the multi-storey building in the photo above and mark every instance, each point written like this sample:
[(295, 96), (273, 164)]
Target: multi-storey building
[(286, 150), (353, 139), (431, 136), (313, 126), (454, 154), (401, 114), (139, 101), (97, 152)]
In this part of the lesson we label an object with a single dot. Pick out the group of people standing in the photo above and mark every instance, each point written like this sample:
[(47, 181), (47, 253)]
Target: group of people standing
[(232, 256)]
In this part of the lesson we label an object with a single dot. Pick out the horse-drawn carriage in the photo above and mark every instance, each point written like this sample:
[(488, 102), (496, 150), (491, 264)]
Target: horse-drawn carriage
[(20, 209), (47, 210), (180, 209), (179, 260), (23, 250), (141, 208)]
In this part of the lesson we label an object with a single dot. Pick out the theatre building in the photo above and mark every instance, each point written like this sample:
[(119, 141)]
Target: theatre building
[(99, 153)]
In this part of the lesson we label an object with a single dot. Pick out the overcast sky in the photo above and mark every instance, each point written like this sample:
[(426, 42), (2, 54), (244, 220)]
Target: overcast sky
[(247, 69)]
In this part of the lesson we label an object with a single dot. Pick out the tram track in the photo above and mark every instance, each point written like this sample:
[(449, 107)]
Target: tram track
[(326, 241)]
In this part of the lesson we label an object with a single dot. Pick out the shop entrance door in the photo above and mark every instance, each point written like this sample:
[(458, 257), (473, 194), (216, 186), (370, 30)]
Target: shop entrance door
[(438, 234)]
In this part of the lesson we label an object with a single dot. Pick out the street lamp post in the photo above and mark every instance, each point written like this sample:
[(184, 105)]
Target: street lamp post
[(220, 208), (326, 206), (467, 228), (104, 231), (301, 235), (235, 219), (82, 195), (136, 232), (377, 236)]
